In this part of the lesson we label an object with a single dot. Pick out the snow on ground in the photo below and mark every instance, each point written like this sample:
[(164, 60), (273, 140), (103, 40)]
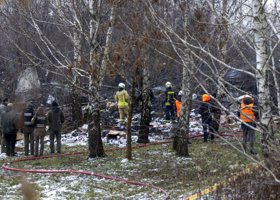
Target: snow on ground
[(53, 186)]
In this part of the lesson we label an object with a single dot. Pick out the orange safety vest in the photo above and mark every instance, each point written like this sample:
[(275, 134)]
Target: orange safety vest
[(178, 107), (247, 113)]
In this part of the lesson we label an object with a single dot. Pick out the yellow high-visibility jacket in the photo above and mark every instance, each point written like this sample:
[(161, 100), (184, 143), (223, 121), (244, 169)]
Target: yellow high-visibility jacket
[(122, 98)]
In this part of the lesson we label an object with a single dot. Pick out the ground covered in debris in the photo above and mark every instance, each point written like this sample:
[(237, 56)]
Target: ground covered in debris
[(157, 164)]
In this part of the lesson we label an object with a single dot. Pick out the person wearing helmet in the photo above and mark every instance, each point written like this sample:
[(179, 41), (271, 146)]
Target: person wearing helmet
[(170, 98), (178, 103), (205, 111), (122, 99), (248, 114)]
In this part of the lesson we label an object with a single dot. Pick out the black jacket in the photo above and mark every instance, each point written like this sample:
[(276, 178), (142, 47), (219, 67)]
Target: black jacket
[(9, 121), (205, 110)]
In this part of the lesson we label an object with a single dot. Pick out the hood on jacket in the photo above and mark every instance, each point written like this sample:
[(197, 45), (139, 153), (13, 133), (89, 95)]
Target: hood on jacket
[(40, 110)]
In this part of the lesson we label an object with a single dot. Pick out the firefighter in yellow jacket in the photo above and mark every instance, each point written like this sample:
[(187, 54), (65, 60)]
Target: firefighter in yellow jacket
[(122, 98)]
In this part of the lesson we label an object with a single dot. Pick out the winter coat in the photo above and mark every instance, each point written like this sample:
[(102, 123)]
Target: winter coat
[(9, 121), (2, 111), (170, 97), (205, 110), (39, 121), (55, 119), (27, 117), (122, 98), (248, 110)]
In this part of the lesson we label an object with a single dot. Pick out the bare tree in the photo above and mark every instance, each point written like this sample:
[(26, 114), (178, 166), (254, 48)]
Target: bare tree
[(83, 27)]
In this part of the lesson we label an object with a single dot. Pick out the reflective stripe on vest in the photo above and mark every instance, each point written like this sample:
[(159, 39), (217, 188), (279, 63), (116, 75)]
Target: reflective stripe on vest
[(40, 121), (27, 118), (122, 100), (247, 113), (170, 98)]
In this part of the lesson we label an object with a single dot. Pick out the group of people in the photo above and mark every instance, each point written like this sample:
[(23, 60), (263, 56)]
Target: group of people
[(209, 110), (33, 127), (210, 115)]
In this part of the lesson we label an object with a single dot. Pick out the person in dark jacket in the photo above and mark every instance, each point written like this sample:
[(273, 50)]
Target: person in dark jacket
[(28, 129), (205, 110), (9, 126), (170, 98), (55, 119), (216, 115), (39, 121), (248, 114), (3, 106)]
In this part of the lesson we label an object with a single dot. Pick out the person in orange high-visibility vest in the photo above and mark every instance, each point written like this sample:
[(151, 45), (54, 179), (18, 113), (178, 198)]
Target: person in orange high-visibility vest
[(178, 103), (248, 114), (122, 98)]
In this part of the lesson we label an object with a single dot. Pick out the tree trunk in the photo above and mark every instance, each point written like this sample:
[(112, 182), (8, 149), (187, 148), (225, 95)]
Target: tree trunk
[(95, 144), (261, 46), (129, 120), (94, 129), (146, 107), (275, 78), (77, 115), (180, 142)]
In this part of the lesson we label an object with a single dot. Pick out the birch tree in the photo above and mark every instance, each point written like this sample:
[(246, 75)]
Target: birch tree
[(202, 51), (262, 70), (83, 28)]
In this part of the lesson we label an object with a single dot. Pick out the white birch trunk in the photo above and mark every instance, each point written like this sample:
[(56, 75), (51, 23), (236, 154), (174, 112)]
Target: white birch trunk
[(260, 25), (274, 70), (277, 86)]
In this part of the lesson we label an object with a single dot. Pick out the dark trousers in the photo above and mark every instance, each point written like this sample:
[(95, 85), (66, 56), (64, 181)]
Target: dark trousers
[(207, 126), (2, 142), (29, 143), (248, 134), (170, 112), (10, 139), (57, 135), (39, 143)]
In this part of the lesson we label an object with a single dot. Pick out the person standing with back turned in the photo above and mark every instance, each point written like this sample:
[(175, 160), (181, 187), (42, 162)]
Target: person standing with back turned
[(248, 114), (122, 98), (28, 129), (39, 121), (3, 106), (9, 126), (170, 98), (205, 110), (55, 118)]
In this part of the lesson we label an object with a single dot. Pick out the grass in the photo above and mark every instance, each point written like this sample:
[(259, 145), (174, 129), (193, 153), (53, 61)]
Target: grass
[(208, 164)]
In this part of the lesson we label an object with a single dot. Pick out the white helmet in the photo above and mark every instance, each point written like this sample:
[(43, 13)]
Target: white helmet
[(194, 96), (168, 84), (180, 93), (121, 85)]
